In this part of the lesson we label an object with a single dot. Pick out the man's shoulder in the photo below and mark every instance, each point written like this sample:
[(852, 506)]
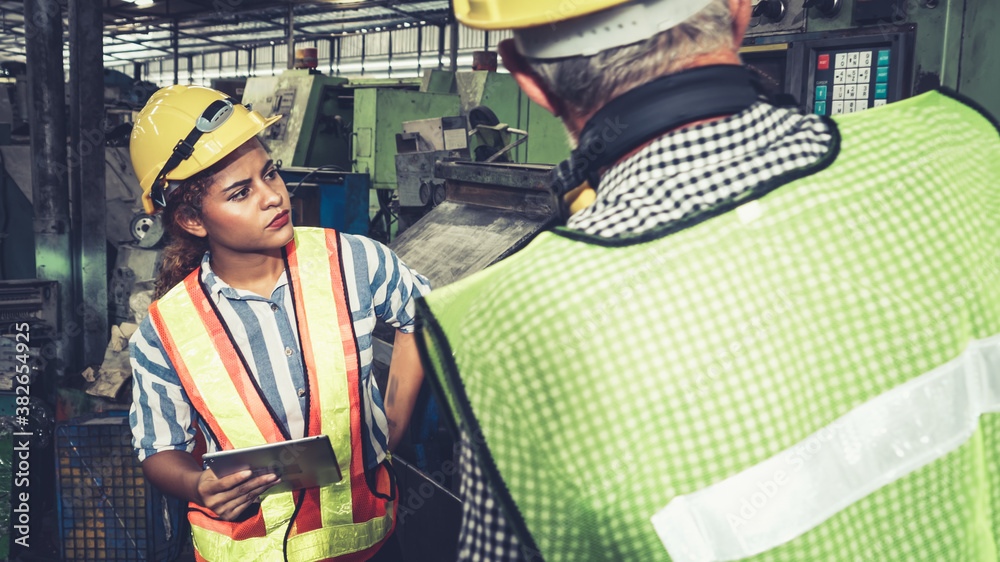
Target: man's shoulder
[(928, 114)]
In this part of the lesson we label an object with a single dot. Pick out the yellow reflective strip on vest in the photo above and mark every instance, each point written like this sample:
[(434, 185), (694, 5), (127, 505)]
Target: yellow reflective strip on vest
[(873, 445), (328, 543), (311, 253), (207, 371), (217, 546)]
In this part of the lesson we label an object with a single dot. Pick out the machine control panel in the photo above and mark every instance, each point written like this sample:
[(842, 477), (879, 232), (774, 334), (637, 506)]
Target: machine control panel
[(851, 80), (853, 73)]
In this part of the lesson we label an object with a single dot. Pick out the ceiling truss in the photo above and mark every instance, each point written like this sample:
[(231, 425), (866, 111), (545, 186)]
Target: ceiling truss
[(139, 34)]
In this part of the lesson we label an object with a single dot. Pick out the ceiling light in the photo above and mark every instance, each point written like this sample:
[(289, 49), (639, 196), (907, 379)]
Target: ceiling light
[(141, 3)]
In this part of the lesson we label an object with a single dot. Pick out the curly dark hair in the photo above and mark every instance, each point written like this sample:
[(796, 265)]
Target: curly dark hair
[(184, 251)]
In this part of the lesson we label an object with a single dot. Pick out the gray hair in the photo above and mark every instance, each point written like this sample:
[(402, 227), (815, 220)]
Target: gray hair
[(588, 82)]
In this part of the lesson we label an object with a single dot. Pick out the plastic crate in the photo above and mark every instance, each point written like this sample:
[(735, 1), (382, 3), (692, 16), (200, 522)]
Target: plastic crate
[(107, 510)]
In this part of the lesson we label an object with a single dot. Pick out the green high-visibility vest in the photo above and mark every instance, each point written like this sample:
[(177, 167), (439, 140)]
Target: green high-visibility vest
[(811, 372)]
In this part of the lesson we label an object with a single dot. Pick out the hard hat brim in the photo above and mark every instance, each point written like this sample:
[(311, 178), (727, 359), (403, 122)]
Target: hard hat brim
[(235, 142)]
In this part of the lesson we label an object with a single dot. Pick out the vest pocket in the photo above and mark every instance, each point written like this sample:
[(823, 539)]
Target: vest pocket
[(250, 523)]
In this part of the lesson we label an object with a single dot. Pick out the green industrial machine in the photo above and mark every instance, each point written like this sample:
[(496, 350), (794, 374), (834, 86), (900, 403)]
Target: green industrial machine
[(915, 46), (379, 114), (954, 42), (546, 142), (317, 112)]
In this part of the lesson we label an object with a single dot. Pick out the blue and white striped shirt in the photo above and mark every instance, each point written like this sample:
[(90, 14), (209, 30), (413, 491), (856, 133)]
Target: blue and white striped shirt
[(378, 285)]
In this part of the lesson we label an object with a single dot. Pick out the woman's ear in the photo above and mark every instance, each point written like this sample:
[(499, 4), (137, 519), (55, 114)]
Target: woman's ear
[(190, 223)]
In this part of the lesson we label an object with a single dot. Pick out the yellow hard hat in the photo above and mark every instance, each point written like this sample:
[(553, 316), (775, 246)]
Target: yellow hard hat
[(549, 29), (515, 14), (183, 130)]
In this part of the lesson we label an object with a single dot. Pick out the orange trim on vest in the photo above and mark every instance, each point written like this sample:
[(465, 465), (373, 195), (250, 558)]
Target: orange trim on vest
[(365, 503), (314, 423), (252, 400), (170, 346), (310, 516), (253, 527)]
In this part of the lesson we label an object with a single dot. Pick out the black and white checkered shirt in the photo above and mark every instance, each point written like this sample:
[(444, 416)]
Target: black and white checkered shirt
[(678, 175)]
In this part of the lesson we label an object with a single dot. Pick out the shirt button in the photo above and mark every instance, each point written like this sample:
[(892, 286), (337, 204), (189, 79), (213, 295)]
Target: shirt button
[(302, 392), (288, 351), (274, 307)]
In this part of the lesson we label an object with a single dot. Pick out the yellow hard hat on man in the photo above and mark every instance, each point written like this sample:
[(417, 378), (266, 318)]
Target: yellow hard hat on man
[(182, 131), (550, 29)]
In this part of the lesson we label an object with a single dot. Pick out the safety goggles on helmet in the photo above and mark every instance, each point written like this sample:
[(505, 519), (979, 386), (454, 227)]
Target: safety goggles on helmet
[(217, 113)]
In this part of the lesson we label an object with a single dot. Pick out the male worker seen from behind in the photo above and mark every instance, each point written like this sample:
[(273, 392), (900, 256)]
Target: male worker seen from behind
[(766, 335)]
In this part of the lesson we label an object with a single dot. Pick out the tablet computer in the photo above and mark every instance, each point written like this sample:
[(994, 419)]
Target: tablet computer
[(300, 463)]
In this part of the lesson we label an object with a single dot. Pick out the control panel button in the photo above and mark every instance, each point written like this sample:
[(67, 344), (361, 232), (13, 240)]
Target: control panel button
[(838, 92), (853, 59), (821, 92), (883, 58), (866, 59), (824, 62), (880, 103), (882, 75), (841, 61), (861, 105), (849, 106), (881, 91), (837, 108), (820, 108), (864, 75), (851, 91), (838, 76), (851, 76), (862, 92)]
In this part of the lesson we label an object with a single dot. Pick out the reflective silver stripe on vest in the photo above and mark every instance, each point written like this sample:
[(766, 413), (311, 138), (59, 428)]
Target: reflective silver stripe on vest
[(871, 446)]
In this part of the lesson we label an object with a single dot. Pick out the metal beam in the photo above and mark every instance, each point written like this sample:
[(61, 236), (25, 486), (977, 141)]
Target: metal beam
[(50, 199), (87, 166), (175, 42), (290, 34), (143, 45), (454, 44), (201, 38)]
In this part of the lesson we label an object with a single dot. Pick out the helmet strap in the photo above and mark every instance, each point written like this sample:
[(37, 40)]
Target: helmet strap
[(212, 118)]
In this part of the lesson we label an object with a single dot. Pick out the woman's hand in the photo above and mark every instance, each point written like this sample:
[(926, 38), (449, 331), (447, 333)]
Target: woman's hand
[(230, 495), (178, 474)]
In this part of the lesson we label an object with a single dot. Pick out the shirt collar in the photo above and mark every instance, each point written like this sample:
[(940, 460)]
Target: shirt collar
[(751, 131), (219, 288), (689, 170)]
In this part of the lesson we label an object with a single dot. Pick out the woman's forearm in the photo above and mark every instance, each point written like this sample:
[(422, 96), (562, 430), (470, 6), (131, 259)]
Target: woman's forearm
[(174, 472), (406, 374)]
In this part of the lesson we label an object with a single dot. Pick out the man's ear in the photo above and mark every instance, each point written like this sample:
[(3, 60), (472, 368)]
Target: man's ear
[(530, 82), (741, 10), (191, 224)]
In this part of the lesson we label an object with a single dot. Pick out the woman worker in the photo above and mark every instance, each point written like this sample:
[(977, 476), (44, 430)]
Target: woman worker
[(261, 333)]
